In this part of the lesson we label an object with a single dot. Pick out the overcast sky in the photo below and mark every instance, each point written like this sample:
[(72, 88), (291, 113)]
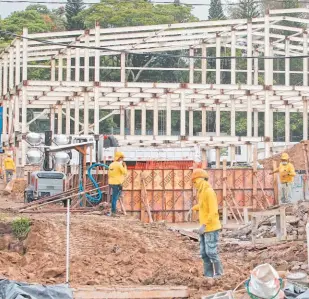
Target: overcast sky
[(7, 8)]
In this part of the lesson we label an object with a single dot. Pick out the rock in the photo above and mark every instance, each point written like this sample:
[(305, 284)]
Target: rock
[(127, 260), (54, 272), (92, 282), (142, 250), (304, 267), (112, 273), (301, 230)]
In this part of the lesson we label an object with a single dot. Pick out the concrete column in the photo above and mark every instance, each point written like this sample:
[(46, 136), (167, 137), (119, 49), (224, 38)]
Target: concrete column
[(53, 70), (16, 114), (204, 64), (256, 69), (24, 124), (168, 115), (97, 53), (67, 118), (218, 120), (10, 117), (132, 121), (86, 57), (182, 114), (233, 117), (191, 66), (305, 60), (123, 67), (233, 54), (256, 123), (249, 116), (68, 72), (52, 120), (191, 121), (305, 118), (17, 62), (5, 74), (11, 67), (59, 119), (218, 157), (232, 152), (77, 64), (76, 115), (249, 52), (287, 124), (271, 124), (96, 111), (143, 119), (60, 68), (249, 152), (86, 113), (204, 121), (287, 62), (155, 117), (218, 61), (122, 121)]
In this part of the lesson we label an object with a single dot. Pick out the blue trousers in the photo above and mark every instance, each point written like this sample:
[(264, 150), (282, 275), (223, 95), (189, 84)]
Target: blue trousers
[(116, 192), (209, 254)]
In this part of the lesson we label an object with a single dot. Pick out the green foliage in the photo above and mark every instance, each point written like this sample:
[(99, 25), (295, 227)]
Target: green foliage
[(21, 227), (216, 10), (72, 9), (114, 13), (246, 9)]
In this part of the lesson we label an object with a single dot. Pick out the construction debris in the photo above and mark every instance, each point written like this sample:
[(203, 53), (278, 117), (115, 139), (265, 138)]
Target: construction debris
[(296, 226)]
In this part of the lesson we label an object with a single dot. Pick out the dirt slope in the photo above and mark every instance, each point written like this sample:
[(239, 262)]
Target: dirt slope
[(108, 251)]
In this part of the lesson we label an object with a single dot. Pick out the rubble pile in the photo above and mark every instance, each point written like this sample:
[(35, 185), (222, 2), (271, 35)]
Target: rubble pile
[(296, 226), (295, 153)]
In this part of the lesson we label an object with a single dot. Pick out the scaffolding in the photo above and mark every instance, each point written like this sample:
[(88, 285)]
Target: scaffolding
[(273, 35)]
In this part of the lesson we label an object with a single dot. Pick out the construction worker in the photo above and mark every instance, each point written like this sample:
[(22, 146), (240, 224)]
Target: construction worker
[(9, 167), (209, 223), (286, 174), (116, 175)]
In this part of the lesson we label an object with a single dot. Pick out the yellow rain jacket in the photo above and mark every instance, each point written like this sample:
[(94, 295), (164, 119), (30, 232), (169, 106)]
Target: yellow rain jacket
[(207, 206), (286, 173), (9, 164), (116, 173)]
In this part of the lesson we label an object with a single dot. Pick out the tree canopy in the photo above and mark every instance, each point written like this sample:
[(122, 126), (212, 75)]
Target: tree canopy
[(216, 10), (72, 9)]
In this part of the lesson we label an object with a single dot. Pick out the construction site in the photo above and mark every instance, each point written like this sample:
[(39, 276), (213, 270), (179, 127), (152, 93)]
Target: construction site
[(56, 231)]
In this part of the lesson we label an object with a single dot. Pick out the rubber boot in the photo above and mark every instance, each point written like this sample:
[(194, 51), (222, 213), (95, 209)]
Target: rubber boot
[(208, 268), (217, 266)]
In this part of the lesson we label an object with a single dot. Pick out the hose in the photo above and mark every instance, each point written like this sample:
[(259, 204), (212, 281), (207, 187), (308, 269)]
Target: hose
[(93, 199)]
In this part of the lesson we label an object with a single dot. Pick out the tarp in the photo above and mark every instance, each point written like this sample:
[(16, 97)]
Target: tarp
[(18, 290)]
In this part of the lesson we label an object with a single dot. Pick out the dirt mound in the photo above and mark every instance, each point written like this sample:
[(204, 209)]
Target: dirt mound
[(123, 251), (296, 154)]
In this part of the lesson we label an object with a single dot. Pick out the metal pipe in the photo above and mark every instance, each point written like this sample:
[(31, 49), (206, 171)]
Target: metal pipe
[(68, 244)]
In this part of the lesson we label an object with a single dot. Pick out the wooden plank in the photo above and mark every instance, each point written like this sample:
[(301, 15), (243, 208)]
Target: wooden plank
[(131, 292)]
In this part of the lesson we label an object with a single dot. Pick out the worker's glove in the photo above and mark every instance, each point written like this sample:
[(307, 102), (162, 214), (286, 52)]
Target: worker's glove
[(202, 229), (189, 215)]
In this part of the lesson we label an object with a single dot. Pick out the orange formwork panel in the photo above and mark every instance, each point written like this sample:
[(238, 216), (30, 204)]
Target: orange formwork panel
[(170, 191)]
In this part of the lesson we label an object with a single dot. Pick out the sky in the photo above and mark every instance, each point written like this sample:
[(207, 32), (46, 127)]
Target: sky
[(7, 8)]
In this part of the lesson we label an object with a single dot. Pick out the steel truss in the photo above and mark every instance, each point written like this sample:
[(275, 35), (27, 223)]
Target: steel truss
[(272, 35)]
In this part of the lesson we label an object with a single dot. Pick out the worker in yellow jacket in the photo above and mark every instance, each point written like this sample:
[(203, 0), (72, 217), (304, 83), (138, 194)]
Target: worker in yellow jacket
[(209, 223), (9, 167), (286, 174), (117, 172)]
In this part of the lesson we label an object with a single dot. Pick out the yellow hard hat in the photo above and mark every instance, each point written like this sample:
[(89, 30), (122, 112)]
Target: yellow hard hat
[(284, 156), (199, 173), (119, 155)]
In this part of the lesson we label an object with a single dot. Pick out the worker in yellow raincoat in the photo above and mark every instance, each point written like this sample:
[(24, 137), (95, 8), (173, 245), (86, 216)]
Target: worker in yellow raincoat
[(209, 223), (117, 172), (9, 167), (286, 174)]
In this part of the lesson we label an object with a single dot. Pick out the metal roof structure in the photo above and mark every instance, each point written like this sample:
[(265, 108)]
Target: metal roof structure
[(270, 36)]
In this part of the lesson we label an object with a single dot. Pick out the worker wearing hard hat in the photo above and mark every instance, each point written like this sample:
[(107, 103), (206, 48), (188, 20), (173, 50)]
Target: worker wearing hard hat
[(9, 167), (116, 175), (209, 223), (286, 175)]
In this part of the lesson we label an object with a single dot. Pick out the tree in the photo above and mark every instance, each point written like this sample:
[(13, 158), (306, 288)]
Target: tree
[(246, 9), (72, 9), (216, 10)]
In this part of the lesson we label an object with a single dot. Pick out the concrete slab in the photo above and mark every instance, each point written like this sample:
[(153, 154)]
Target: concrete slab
[(222, 295)]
